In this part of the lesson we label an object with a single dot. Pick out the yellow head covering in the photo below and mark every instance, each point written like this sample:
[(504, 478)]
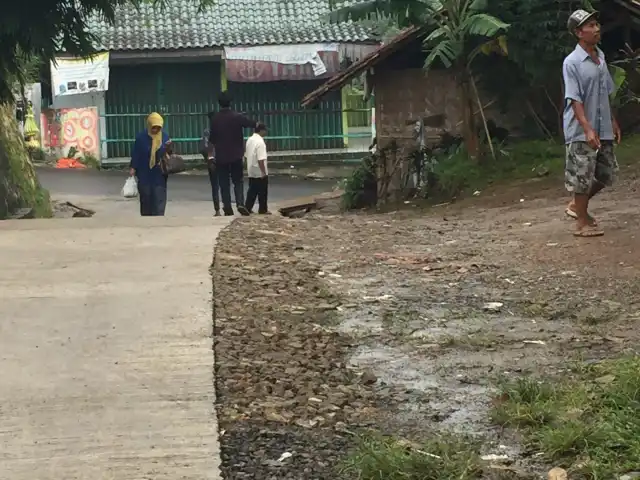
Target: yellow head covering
[(154, 120)]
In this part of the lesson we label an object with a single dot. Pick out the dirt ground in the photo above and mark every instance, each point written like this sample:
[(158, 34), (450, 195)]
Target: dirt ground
[(405, 320)]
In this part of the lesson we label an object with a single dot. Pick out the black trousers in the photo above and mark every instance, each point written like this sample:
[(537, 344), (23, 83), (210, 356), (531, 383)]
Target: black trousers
[(213, 180), (153, 199), (258, 188), (231, 173)]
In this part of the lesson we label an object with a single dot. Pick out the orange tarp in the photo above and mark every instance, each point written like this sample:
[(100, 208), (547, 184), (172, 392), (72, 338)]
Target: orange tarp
[(69, 163)]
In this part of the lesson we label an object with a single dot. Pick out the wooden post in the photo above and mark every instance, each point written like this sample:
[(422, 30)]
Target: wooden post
[(345, 115), (223, 75)]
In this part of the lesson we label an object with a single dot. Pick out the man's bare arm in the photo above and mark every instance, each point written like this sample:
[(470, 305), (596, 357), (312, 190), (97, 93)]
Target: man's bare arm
[(590, 135), (578, 110)]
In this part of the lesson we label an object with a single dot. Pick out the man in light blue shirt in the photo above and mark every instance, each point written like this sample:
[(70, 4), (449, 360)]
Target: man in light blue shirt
[(589, 125)]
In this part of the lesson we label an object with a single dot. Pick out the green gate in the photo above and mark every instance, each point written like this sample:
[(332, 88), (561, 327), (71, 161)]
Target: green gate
[(291, 128), (182, 93), (185, 93)]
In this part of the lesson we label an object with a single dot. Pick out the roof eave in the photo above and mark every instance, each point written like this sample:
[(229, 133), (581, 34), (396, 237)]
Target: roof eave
[(183, 54), (340, 80)]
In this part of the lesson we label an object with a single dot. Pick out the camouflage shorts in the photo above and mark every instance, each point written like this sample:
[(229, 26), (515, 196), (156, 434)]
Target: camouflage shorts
[(584, 165)]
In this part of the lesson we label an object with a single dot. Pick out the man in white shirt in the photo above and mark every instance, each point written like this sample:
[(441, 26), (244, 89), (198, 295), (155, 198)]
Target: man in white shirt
[(257, 171)]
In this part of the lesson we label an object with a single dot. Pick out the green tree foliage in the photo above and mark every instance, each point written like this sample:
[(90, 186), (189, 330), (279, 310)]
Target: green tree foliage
[(538, 39), (536, 42), (459, 35), (42, 28), (403, 12)]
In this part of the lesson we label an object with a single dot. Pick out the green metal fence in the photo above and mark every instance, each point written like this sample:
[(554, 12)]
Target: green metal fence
[(184, 94), (289, 130)]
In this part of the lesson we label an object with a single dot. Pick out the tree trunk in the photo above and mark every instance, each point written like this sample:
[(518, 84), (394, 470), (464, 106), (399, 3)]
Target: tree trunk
[(19, 186), (469, 128)]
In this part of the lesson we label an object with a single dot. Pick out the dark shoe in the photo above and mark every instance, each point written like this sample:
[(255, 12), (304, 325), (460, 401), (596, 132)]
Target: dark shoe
[(243, 211), (217, 214), (265, 213)]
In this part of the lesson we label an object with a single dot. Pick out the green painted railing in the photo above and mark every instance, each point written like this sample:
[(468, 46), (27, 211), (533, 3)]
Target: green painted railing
[(288, 130)]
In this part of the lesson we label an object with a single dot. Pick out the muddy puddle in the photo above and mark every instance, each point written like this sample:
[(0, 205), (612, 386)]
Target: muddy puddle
[(448, 356)]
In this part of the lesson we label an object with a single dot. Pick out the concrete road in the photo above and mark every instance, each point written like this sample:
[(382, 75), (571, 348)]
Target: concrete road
[(188, 194), (106, 349)]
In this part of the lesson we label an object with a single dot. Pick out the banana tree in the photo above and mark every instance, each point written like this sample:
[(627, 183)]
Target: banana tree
[(622, 71), (463, 32), (403, 13)]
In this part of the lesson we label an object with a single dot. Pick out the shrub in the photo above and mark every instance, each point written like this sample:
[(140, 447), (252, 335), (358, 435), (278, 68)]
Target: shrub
[(90, 161), (361, 189)]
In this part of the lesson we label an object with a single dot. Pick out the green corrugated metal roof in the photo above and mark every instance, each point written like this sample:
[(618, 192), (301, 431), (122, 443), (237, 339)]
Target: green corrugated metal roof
[(227, 23)]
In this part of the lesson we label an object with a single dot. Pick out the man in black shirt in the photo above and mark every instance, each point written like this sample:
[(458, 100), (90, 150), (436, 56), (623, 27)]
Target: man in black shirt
[(227, 138)]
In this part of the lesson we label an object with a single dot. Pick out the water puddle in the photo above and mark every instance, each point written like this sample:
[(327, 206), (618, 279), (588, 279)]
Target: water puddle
[(460, 407)]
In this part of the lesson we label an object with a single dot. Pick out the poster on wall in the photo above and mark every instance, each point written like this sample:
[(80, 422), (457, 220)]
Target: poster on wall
[(73, 76), (64, 128)]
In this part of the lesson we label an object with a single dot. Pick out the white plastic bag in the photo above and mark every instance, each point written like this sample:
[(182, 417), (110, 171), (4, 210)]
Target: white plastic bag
[(130, 189)]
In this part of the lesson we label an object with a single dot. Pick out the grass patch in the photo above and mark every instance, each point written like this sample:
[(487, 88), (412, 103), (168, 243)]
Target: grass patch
[(521, 160), (387, 458), (457, 173), (470, 341), (42, 205), (589, 424), (627, 151)]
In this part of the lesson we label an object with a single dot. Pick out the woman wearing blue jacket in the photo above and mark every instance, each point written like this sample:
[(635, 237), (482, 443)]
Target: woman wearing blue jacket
[(149, 149)]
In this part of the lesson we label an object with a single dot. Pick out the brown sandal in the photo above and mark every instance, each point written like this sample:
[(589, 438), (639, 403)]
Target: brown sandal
[(588, 231)]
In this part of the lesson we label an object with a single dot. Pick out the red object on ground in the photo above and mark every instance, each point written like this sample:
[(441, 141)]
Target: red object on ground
[(69, 163)]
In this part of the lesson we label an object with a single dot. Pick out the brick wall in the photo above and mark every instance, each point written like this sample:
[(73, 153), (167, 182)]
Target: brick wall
[(409, 94), (402, 95)]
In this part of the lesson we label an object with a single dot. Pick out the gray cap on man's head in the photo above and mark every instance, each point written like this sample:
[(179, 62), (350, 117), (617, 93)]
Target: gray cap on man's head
[(579, 18)]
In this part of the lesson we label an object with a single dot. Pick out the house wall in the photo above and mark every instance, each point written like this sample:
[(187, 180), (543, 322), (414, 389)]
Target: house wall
[(407, 95), (96, 99), (403, 91)]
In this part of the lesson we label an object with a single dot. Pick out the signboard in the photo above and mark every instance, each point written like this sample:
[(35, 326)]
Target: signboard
[(256, 71), (283, 62), (73, 76), (71, 127)]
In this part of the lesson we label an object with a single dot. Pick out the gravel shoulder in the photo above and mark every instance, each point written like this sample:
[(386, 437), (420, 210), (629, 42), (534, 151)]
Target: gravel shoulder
[(329, 324)]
